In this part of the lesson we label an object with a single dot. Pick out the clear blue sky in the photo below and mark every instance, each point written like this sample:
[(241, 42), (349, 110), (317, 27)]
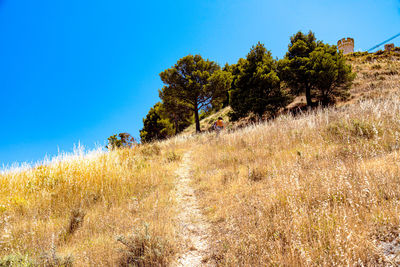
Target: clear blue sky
[(82, 70)]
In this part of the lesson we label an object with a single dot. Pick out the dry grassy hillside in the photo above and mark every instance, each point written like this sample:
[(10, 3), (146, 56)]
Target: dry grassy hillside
[(322, 188), (112, 209), (319, 188), (376, 75)]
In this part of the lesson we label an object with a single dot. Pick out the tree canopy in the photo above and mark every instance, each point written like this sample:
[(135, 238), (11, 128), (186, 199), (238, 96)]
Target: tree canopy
[(178, 113), (257, 84), (331, 76), (194, 83), (121, 140), (156, 125), (314, 68), (256, 87)]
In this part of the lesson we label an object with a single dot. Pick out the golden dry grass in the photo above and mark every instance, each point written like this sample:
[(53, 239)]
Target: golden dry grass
[(106, 210), (322, 188), (377, 75)]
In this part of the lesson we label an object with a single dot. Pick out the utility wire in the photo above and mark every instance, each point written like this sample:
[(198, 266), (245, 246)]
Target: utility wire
[(384, 42)]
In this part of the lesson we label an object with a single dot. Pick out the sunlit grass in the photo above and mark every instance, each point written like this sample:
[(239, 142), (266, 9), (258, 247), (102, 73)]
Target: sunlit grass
[(82, 207), (322, 188)]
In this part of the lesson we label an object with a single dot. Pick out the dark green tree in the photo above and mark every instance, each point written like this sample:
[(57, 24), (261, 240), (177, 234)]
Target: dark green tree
[(121, 140), (293, 70), (234, 70), (317, 70), (256, 86), (156, 125), (177, 112), (331, 76), (195, 82)]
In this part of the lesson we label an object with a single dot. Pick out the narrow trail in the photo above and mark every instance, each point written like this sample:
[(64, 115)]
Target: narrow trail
[(193, 228)]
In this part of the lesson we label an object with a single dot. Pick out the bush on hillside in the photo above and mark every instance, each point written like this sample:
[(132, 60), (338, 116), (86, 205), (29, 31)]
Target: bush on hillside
[(119, 141), (16, 260), (143, 249)]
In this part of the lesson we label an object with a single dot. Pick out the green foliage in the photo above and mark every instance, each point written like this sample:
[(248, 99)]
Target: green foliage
[(156, 125), (256, 87), (51, 259), (143, 249), (331, 76), (316, 69), (173, 156), (195, 83), (16, 260), (121, 140), (177, 112), (353, 129), (292, 68)]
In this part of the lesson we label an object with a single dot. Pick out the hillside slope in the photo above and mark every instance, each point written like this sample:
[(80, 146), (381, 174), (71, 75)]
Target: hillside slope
[(376, 73), (319, 188), (109, 209)]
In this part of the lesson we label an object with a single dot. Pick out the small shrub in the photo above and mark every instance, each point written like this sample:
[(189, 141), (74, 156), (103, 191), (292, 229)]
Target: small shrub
[(16, 260), (354, 128), (53, 260), (143, 249), (363, 129), (376, 67), (3, 208), (75, 221), (19, 203), (336, 129), (150, 150), (256, 174), (173, 156), (228, 177)]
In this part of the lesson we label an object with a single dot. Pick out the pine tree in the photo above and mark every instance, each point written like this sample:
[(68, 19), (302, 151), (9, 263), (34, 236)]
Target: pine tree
[(256, 86), (195, 82), (317, 70), (331, 76), (156, 126)]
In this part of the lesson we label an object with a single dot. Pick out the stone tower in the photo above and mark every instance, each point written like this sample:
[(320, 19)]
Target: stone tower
[(389, 47), (346, 45)]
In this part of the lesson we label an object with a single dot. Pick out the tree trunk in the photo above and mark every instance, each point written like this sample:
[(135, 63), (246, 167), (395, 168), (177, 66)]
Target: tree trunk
[(176, 125), (196, 118), (308, 96)]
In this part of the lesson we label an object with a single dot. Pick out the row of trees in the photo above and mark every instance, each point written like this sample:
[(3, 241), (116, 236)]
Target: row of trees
[(256, 84), (193, 85)]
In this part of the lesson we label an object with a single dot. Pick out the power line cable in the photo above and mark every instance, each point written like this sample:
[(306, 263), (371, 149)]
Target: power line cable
[(384, 42)]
